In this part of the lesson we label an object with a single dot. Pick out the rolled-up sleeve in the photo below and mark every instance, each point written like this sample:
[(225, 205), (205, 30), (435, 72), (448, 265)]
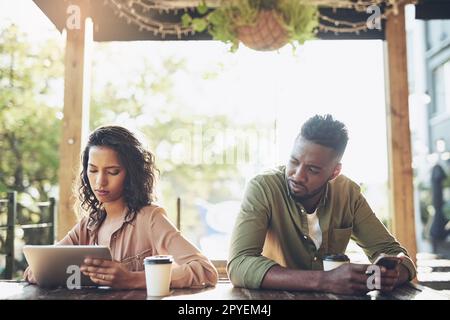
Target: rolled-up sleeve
[(373, 237), (246, 266), (191, 267), (72, 238)]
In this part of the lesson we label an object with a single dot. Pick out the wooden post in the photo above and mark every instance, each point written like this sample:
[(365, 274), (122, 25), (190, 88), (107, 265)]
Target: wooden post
[(76, 112), (399, 135)]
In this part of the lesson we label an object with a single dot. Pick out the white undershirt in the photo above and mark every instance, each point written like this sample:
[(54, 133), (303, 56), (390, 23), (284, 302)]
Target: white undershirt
[(314, 229)]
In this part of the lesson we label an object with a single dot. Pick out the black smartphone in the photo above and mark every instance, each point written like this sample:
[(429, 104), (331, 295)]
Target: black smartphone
[(388, 261)]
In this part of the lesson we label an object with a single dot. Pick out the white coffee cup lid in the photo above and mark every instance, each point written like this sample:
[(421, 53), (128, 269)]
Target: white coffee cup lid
[(159, 259)]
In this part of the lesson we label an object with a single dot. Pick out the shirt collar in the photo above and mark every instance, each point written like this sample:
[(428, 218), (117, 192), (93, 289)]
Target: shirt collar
[(92, 225)]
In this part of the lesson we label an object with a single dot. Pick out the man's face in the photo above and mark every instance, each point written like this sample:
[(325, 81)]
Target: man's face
[(309, 169)]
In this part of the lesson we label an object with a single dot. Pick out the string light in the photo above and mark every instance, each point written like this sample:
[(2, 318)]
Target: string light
[(139, 12), (329, 24)]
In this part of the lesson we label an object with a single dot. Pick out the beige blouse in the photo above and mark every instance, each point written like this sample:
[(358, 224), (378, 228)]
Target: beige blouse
[(150, 233)]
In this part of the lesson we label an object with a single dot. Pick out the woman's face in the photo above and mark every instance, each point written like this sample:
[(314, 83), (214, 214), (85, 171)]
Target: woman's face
[(106, 174)]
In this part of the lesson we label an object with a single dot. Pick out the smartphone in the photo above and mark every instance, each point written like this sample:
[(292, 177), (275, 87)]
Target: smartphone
[(388, 261)]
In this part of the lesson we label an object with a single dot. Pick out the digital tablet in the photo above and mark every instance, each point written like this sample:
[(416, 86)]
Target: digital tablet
[(54, 266)]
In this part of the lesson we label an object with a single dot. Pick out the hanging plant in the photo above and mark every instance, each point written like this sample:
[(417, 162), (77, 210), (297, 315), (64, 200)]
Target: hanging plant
[(259, 24)]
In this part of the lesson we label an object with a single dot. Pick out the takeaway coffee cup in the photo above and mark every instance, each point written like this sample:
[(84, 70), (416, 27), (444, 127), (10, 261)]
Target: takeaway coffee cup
[(157, 275), (333, 261)]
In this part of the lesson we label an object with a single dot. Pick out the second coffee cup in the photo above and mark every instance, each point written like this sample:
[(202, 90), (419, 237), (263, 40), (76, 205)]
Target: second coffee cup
[(333, 261)]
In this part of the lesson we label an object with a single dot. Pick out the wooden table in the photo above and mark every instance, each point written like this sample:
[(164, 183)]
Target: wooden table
[(15, 290)]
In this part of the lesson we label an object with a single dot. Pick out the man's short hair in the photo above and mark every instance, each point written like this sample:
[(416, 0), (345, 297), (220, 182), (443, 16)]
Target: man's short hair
[(326, 131)]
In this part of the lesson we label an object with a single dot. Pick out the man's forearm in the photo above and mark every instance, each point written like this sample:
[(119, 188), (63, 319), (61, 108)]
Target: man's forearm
[(287, 279)]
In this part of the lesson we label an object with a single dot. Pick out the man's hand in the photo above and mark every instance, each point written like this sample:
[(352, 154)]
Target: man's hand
[(109, 273), (348, 279), (390, 279)]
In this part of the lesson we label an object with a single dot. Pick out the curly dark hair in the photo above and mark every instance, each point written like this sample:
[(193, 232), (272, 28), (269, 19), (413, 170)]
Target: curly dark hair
[(326, 131), (140, 171)]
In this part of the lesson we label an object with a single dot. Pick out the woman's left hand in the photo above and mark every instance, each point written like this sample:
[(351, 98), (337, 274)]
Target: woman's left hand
[(108, 273)]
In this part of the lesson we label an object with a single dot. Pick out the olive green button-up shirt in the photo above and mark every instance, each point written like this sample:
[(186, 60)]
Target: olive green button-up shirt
[(272, 229)]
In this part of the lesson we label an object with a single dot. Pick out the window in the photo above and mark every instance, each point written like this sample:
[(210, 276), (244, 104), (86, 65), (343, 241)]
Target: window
[(437, 32), (441, 81)]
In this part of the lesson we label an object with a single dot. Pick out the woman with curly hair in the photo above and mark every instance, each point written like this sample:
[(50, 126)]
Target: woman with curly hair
[(116, 191)]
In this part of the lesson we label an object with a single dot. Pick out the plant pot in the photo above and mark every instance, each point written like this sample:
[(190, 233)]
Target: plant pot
[(265, 34)]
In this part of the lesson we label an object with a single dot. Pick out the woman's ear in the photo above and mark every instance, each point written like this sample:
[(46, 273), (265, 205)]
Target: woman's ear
[(336, 171)]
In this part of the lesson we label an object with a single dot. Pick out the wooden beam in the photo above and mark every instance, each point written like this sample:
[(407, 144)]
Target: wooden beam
[(76, 111), (182, 4), (399, 135)]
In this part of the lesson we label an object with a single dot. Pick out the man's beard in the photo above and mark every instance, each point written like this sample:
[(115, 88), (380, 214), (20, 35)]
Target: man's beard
[(306, 196)]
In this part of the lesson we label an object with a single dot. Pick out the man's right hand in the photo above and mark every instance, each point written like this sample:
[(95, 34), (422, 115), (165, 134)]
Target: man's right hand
[(348, 279), (28, 276)]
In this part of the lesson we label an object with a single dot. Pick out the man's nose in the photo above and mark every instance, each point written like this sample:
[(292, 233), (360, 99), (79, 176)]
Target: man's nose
[(300, 174)]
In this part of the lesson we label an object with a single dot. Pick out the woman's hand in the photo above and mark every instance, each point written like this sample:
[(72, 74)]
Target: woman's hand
[(110, 273), (28, 276)]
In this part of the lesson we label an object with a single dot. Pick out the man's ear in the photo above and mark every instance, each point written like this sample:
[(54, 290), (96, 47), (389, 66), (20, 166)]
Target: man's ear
[(336, 171)]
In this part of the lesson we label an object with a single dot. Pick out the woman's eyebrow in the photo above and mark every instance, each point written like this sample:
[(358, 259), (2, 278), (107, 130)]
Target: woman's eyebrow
[(109, 167)]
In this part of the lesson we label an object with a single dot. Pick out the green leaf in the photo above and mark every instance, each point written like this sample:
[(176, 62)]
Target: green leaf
[(199, 24), (186, 20), (217, 17), (202, 8)]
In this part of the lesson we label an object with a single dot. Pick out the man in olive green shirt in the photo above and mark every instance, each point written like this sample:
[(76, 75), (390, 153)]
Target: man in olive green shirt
[(293, 216)]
